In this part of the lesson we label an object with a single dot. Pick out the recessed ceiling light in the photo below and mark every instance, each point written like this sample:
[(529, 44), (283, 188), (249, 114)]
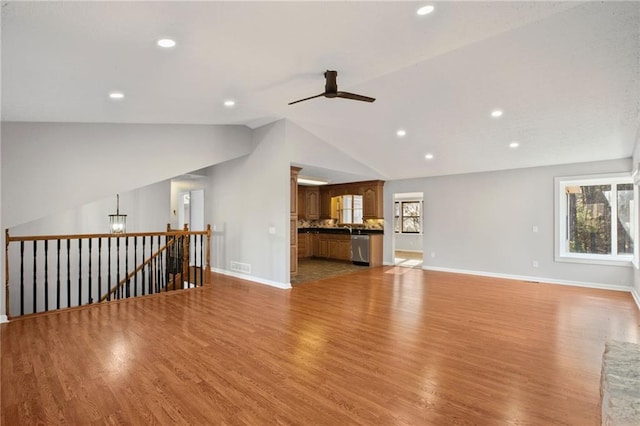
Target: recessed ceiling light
[(425, 10), (496, 113), (429, 156), (166, 42), (401, 133), (514, 144), (116, 95), (229, 103)]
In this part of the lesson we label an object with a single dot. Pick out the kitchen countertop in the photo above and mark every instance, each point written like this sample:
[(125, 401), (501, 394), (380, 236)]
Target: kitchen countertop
[(356, 231)]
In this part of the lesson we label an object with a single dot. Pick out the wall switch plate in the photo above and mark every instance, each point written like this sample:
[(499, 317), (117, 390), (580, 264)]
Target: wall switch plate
[(272, 230), (535, 228)]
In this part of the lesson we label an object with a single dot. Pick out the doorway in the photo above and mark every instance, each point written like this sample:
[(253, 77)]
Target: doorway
[(408, 232)]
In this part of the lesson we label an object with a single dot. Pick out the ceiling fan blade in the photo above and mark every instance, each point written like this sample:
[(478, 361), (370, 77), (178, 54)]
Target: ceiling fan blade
[(354, 96), (306, 99)]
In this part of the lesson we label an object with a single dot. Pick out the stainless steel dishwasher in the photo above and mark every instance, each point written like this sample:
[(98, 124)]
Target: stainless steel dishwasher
[(360, 249)]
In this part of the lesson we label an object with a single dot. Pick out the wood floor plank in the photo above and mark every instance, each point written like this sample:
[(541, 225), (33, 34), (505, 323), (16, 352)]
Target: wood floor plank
[(380, 346)]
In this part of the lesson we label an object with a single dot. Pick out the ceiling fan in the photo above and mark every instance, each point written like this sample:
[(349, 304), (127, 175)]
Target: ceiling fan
[(331, 90)]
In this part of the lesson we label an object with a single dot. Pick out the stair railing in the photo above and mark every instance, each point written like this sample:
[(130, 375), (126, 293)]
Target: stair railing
[(51, 272)]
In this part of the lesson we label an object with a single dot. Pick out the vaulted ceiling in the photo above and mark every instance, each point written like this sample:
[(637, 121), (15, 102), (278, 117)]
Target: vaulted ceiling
[(565, 74)]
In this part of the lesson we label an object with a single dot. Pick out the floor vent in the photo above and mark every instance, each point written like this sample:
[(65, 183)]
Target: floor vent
[(245, 268)]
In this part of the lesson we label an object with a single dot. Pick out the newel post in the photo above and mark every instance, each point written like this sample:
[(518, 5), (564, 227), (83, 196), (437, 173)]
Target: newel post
[(207, 272), (185, 253), (6, 272)]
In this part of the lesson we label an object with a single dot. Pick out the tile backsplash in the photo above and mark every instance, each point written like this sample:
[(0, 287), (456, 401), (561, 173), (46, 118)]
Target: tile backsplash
[(333, 223)]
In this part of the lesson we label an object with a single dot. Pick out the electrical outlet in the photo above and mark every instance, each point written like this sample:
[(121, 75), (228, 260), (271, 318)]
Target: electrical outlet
[(433, 254), (535, 263)]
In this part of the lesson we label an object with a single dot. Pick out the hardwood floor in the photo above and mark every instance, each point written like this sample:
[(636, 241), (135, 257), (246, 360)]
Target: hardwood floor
[(385, 346)]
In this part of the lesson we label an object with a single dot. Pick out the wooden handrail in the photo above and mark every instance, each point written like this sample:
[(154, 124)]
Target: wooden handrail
[(87, 236), (138, 269)]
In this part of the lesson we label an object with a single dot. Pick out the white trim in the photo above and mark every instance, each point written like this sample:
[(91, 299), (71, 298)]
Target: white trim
[(3, 319), (284, 286), (410, 251), (636, 297), (541, 280)]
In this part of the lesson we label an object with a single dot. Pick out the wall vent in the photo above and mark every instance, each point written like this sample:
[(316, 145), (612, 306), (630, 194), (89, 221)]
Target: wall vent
[(245, 268)]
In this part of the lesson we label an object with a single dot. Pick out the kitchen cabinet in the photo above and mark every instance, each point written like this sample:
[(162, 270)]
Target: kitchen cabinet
[(325, 202), (293, 222), (302, 206), (373, 194), (305, 247), (334, 246), (308, 202), (312, 202), (323, 246)]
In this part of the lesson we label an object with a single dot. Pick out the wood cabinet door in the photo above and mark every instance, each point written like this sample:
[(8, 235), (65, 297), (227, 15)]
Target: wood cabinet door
[(344, 249), (315, 245), (372, 200), (325, 203), (312, 201), (323, 247), (302, 203)]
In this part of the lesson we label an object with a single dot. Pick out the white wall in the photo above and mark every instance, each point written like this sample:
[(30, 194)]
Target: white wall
[(408, 242), (304, 148), (147, 210), (636, 165), (248, 196), (48, 167), (482, 222), (2, 255)]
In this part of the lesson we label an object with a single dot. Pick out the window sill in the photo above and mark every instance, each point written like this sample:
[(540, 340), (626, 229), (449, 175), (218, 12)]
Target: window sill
[(595, 260)]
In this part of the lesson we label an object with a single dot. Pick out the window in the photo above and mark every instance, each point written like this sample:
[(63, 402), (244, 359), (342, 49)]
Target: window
[(596, 219), (407, 217), (349, 208)]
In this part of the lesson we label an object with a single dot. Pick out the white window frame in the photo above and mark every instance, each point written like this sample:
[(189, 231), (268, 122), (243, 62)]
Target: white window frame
[(562, 254), (408, 200)]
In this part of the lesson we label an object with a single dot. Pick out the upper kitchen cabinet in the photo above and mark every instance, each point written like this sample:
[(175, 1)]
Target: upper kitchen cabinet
[(312, 202), (308, 202), (372, 194), (326, 192)]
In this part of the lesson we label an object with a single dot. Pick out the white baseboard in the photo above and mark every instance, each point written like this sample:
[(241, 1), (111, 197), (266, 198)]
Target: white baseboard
[(3, 318), (284, 286), (636, 297), (600, 286), (409, 251)]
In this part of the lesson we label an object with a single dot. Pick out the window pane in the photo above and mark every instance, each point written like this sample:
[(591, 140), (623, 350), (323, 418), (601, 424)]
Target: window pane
[(590, 219), (625, 213), (411, 224), (411, 209)]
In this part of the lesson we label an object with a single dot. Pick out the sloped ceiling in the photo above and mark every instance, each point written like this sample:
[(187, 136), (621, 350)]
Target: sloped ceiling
[(566, 74)]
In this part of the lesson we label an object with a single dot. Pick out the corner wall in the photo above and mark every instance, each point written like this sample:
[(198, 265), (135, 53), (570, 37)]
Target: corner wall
[(250, 197), (482, 223)]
